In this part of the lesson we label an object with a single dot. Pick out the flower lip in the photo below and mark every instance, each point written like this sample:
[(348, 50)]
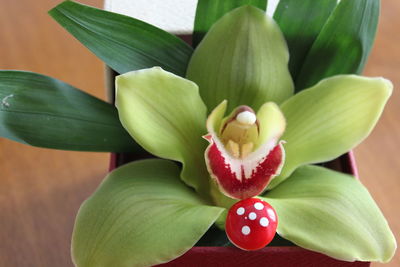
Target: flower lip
[(239, 161), (243, 178)]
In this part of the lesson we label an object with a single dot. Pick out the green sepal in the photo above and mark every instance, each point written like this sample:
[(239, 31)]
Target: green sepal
[(243, 58), (329, 119), (166, 116)]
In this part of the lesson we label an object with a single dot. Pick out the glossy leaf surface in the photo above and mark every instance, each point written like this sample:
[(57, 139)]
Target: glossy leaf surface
[(45, 112), (209, 11), (344, 43), (122, 42)]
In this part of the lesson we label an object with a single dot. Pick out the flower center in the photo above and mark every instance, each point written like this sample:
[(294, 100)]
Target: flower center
[(244, 152), (240, 133)]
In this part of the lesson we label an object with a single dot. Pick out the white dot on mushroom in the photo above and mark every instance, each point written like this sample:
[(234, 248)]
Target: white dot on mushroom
[(258, 206), (252, 216), (240, 211), (245, 230), (271, 214), (264, 222)]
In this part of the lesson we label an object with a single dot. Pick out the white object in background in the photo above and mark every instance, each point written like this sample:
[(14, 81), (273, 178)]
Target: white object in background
[(175, 16)]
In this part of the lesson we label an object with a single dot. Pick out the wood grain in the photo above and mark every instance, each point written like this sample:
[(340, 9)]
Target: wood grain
[(41, 189)]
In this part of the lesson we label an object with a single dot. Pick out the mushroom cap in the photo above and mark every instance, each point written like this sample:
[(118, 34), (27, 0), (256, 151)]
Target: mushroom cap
[(251, 224)]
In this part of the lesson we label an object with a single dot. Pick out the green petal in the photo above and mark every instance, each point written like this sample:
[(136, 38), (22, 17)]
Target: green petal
[(216, 118), (332, 213), (272, 123), (209, 11), (344, 43), (122, 42), (165, 115), (301, 22), (141, 215), (331, 118), (214, 122), (42, 111), (243, 58)]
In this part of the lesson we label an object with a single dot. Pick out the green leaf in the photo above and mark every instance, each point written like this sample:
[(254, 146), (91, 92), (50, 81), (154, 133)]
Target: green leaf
[(329, 119), (122, 42), (344, 43), (45, 112), (210, 11), (332, 213), (243, 58), (301, 22), (165, 115), (141, 215)]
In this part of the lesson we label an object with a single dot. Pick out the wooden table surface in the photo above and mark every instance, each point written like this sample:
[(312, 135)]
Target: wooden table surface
[(41, 189)]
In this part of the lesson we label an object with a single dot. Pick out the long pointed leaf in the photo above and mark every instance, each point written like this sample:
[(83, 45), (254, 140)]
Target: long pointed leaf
[(301, 22), (122, 42), (344, 43), (209, 11), (45, 112)]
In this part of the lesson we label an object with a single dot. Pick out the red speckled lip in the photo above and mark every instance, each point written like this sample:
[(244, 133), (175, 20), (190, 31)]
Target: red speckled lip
[(243, 178)]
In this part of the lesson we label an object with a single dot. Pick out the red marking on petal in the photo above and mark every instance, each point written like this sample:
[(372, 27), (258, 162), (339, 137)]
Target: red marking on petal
[(208, 137), (220, 167)]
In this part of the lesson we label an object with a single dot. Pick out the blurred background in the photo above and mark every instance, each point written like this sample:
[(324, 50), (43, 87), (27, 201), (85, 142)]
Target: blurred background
[(41, 190)]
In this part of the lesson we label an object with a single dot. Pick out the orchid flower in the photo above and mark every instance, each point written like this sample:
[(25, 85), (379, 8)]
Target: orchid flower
[(262, 140)]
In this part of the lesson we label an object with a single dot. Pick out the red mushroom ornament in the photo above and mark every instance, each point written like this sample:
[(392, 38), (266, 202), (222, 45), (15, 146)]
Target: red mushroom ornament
[(251, 224)]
